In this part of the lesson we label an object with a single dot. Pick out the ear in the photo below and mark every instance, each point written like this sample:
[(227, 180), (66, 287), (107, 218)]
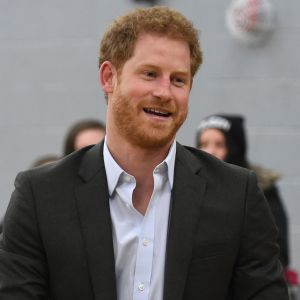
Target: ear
[(107, 76)]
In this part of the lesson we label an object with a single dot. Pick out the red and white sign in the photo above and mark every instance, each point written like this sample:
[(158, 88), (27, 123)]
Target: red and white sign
[(250, 20)]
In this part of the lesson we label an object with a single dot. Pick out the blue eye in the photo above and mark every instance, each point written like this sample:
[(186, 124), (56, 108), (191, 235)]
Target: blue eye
[(177, 81), (150, 73)]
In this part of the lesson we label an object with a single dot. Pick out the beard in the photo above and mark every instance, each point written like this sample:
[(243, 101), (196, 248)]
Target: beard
[(132, 123)]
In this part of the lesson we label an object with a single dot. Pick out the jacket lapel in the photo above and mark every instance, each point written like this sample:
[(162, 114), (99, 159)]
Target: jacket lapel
[(94, 215), (187, 196)]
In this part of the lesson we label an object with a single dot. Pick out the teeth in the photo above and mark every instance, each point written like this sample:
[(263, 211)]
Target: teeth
[(156, 112)]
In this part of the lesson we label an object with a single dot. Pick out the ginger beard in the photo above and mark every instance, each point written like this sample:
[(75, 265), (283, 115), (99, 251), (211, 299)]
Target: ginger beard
[(135, 126)]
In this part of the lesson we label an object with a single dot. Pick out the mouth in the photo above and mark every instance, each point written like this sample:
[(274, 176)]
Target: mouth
[(157, 112)]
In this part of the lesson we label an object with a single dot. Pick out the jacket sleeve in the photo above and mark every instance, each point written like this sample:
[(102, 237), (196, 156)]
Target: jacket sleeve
[(23, 268), (258, 274)]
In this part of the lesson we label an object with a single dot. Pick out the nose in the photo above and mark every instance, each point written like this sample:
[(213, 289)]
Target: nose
[(162, 90)]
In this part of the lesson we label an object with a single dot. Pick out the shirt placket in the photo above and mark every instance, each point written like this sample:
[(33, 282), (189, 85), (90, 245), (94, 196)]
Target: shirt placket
[(145, 251)]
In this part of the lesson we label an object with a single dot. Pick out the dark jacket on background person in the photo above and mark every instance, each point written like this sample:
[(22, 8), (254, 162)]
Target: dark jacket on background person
[(267, 180)]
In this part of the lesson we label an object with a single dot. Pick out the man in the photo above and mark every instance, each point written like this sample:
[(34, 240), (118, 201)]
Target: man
[(139, 216)]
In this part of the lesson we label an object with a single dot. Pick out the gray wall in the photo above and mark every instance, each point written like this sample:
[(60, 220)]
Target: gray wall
[(48, 79)]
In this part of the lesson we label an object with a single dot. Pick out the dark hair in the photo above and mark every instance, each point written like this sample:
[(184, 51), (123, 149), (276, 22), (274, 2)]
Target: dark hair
[(69, 144)]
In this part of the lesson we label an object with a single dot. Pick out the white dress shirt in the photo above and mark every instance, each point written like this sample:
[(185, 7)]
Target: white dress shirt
[(139, 241)]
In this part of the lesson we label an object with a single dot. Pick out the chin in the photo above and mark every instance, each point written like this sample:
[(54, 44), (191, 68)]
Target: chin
[(152, 141)]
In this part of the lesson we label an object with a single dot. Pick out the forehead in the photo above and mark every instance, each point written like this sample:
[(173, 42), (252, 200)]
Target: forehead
[(149, 46), (212, 133), (90, 132)]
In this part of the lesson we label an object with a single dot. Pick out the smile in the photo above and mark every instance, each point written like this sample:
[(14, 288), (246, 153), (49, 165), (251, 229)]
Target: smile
[(157, 112)]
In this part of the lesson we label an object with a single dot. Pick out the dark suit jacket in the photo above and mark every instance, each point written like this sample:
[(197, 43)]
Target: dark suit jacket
[(57, 239)]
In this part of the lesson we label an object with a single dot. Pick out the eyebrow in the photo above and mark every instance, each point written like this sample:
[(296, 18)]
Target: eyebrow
[(152, 66)]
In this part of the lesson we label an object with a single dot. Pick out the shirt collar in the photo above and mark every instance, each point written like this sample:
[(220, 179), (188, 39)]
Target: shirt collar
[(113, 170), (170, 161)]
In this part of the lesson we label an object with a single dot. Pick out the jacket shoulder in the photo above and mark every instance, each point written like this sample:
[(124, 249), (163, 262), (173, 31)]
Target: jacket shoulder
[(71, 164), (212, 165)]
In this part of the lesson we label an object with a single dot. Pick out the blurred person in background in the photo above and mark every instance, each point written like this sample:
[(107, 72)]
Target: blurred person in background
[(223, 135), (83, 133)]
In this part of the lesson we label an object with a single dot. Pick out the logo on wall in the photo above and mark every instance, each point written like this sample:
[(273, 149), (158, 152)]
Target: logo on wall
[(250, 21)]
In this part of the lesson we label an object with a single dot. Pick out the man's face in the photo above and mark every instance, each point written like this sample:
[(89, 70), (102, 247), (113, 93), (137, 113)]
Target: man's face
[(149, 102)]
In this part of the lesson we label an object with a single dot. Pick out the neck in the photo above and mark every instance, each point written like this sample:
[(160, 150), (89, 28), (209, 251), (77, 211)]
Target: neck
[(140, 163), (135, 160)]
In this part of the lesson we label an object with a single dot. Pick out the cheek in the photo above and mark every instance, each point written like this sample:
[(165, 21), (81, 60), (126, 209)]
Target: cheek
[(182, 100), (135, 88), (223, 153)]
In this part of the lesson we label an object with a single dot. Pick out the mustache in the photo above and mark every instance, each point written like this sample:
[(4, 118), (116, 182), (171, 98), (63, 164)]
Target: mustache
[(157, 103)]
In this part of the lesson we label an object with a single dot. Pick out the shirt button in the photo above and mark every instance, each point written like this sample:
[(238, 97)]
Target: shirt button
[(146, 242), (141, 287)]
